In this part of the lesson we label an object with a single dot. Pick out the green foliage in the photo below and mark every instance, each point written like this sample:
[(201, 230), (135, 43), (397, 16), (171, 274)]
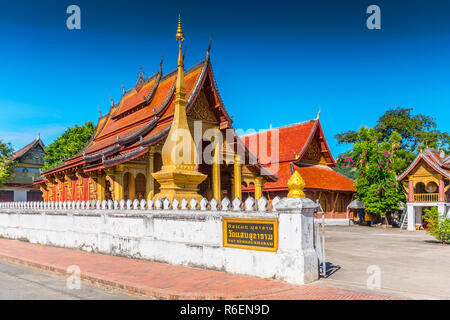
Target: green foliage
[(436, 226), (69, 144), (419, 131), (6, 165), (374, 158)]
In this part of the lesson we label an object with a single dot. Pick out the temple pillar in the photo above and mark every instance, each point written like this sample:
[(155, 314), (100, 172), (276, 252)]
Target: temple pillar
[(259, 183), (237, 179), (216, 175), (411, 191), (150, 182), (80, 187), (131, 186), (441, 191), (118, 185), (101, 185)]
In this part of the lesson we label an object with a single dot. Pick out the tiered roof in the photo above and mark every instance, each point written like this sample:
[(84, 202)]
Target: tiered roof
[(435, 159), (143, 118), (294, 143)]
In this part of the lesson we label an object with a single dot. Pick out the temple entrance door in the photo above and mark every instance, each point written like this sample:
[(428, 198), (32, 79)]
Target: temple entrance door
[(126, 186), (140, 185), (108, 195), (205, 188), (157, 165)]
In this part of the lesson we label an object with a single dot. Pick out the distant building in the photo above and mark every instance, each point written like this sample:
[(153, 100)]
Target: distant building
[(303, 144), (27, 162), (427, 181)]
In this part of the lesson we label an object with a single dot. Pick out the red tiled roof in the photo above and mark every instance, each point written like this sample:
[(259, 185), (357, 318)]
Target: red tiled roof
[(316, 177), (293, 143), (143, 117)]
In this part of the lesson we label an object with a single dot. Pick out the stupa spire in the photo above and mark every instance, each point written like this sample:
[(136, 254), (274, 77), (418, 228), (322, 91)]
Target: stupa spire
[(179, 176)]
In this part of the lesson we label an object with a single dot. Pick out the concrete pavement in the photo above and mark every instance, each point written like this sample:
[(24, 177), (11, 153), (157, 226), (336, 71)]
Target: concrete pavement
[(22, 283), (411, 263)]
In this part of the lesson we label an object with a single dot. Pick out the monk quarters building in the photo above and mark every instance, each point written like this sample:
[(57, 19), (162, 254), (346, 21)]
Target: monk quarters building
[(304, 146), (129, 155), (427, 182)]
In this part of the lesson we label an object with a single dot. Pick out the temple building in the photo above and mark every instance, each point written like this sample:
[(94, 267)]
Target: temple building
[(427, 181), (130, 155), (304, 146), (27, 162)]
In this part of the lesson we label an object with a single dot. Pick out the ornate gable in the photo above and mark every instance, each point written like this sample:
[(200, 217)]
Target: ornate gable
[(34, 156), (201, 111), (314, 154)]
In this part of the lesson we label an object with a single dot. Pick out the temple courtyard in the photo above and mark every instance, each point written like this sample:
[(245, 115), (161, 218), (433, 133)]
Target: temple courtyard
[(412, 264)]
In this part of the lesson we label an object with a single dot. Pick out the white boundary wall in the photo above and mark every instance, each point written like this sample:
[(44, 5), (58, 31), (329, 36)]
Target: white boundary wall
[(181, 237)]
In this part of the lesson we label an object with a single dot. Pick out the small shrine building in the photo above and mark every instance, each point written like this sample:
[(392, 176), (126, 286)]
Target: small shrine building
[(303, 145), (129, 155), (27, 162), (427, 182)]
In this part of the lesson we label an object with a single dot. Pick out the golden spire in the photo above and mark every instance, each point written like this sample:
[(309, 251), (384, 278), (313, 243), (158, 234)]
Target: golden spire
[(179, 176), (318, 115), (296, 184), (180, 35)]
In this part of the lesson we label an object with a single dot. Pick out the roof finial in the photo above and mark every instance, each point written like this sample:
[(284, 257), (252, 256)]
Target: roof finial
[(180, 35), (209, 46), (99, 111), (318, 115), (123, 89), (112, 101), (161, 63), (39, 136)]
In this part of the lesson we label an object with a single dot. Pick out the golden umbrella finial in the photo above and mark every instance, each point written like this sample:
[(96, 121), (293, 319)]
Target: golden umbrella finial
[(180, 35)]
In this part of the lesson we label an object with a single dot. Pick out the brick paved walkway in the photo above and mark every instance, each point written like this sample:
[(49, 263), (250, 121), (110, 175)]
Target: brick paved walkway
[(165, 281)]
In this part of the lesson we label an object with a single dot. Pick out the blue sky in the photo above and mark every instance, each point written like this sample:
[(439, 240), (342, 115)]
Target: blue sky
[(275, 62)]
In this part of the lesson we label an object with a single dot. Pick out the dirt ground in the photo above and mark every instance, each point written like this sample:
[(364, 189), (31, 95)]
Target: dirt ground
[(411, 264)]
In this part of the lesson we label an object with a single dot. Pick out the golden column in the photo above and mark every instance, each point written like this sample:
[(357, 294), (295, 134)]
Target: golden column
[(131, 186), (237, 183), (179, 176), (216, 184), (118, 183), (259, 183), (150, 183)]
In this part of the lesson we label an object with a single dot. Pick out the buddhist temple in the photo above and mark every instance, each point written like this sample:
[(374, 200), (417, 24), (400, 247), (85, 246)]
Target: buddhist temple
[(303, 146), (27, 162), (427, 182), (130, 155)]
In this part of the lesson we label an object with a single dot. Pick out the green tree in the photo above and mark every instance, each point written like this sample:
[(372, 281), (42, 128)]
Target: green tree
[(374, 158), (437, 226), (6, 164), (67, 145), (417, 132)]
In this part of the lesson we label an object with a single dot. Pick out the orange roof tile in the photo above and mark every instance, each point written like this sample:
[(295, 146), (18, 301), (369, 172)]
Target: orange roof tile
[(317, 177)]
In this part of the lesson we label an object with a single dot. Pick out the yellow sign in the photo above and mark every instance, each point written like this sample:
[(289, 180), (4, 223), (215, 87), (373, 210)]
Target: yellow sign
[(250, 234)]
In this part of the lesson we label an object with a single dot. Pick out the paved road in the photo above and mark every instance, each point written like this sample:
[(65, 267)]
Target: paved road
[(22, 283), (411, 264)]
